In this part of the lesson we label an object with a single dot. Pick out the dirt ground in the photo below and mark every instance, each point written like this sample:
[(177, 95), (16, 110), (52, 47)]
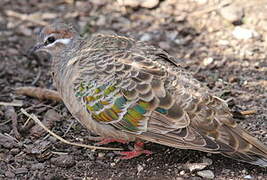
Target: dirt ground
[(226, 49)]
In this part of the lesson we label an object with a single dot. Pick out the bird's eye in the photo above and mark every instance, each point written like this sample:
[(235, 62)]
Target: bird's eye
[(50, 40)]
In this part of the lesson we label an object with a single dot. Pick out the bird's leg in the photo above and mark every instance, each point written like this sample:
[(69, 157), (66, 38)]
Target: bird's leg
[(138, 150), (110, 140)]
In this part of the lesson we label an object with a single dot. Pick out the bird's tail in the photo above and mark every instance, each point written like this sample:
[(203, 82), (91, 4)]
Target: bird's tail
[(248, 148)]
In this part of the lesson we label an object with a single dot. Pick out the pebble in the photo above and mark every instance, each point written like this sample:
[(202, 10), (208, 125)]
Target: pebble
[(91, 156), (21, 170), (112, 164), (139, 168), (233, 79), (201, 1), (101, 155), (10, 174), (149, 3), (37, 166), (171, 35), (142, 3), (65, 161), (232, 13), (164, 45), (25, 31), (206, 174), (248, 177), (207, 160), (243, 33), (101, 21), (207, 61), (196, 166), (14, 151), (12, 51), (146, 37)]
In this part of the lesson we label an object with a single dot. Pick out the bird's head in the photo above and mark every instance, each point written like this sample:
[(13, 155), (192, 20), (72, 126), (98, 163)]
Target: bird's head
[(54, 38)]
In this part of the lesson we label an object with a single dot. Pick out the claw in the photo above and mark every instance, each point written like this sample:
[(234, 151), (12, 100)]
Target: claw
[(138, 150)]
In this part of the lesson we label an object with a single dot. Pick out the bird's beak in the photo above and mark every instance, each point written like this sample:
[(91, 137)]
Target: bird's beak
[(36, 48)]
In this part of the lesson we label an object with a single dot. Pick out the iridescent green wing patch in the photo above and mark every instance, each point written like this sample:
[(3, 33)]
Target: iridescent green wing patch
[(106, 104)]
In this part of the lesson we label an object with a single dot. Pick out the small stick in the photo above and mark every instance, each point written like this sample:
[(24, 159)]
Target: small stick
[(10, 104), (209, 9), (33, 117), (39, 93), (37, 77), (248, 112)]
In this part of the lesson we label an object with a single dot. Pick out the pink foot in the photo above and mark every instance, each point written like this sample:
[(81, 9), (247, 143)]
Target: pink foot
[(138, 150), (110, 140)]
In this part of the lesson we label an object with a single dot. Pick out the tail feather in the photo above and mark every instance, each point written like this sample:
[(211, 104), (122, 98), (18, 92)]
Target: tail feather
[(253, 151)]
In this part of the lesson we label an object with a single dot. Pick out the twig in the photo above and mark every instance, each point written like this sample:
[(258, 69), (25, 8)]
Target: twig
[(10, 104), (3, 123), (248, 112), (37, 77), (11, 114), (209, 9), (71, 124), (33, 117), (39, 93)]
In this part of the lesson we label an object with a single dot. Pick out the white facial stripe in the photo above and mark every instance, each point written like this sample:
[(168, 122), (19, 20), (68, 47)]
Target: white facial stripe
[(63, 41)]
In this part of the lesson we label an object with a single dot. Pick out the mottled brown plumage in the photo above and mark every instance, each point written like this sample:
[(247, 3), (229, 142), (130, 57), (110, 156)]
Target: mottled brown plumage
[(121, 88)]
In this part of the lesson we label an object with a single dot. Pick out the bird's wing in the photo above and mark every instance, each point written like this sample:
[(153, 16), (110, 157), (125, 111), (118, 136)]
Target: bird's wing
[(141, 90)]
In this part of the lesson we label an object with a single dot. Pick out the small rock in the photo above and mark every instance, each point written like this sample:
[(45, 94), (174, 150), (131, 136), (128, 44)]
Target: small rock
[(196, 166), (201, 1), (12, 51), (37, 166), (110, 154), (112, 164), (146, 37), (223, 42), (164, 45), (207, 61), (25, 31), (232, 13), (149, 3), (242, 33), (21, 170), (248, 177), (7, 142), (142, 3), (91, 156), (139, 168), (182, 173), (233, 79), (178, 41), (171, 35), (206, 174), (10, 174), (101, 155), (65, 161), (131, 3), (101, 20), (207, 160), (14, 151)]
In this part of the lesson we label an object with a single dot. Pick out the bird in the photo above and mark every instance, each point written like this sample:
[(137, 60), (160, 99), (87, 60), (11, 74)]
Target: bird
[(125, 90)]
